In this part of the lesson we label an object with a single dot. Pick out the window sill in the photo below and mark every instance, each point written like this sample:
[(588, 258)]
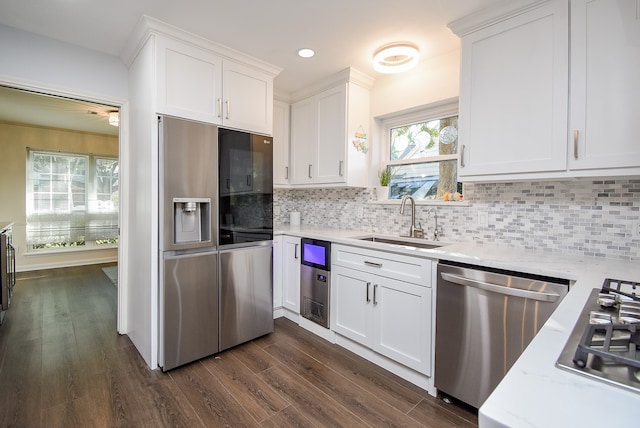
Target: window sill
[(69, 250), (425, 203)]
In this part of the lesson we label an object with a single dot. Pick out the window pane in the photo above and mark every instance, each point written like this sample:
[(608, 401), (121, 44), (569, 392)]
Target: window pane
[(107, 183), (430, 180), (425, 139)]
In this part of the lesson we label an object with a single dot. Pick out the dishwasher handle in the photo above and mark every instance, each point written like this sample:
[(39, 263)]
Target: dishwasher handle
[(494, 288)]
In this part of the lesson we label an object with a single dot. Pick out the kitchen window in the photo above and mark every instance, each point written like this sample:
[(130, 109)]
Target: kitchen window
[(422, 152), (72, 200)]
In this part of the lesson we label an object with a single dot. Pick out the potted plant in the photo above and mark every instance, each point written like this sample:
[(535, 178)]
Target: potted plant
[(384, 175)]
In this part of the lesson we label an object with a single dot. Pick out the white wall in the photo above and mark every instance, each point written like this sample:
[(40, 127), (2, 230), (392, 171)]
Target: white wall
[(15, 139), (433, 79), (46, 63)]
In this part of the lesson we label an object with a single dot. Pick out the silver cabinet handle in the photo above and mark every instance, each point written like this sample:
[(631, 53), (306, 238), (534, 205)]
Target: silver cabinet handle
[(368, 285), (295, 251), (220, 107), (576, 134), (340, 165), (372, 264), (309, 170), (228, 106), (375, 287), (494, 288), (249, 180), (462, 156), (286, 172)]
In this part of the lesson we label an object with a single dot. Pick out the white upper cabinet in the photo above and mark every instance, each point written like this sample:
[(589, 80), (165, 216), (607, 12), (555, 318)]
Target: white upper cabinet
[(280, 143), (198, 84), (513, 94), (247, 98), (605, 84), (525, 114), (189, 81), (323, 128)]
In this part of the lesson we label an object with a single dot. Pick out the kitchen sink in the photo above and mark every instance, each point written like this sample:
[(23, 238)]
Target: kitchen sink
[(403, 241)]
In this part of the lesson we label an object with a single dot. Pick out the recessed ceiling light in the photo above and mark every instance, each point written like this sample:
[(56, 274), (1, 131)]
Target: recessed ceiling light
[(395, 57), (306, 53)]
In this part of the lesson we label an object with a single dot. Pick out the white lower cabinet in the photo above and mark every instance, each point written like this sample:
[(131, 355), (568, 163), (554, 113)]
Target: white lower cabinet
[(389, 316), (291, 273), (277, 272)]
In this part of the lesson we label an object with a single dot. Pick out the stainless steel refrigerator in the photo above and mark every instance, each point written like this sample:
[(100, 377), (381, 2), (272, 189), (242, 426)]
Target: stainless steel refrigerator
[(216, 203), (246, 233), (188, 195)]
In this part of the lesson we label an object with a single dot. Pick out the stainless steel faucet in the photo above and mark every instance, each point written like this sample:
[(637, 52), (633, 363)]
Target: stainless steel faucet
[(436, 232), (414, 232)]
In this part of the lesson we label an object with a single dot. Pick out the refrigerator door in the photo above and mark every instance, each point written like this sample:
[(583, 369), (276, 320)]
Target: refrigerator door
[(246, 187), (189, 308), (188, 183), (246, 294)]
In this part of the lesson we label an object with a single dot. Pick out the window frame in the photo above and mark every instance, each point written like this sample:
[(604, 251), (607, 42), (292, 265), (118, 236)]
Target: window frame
[(435, 111), (91, 210)]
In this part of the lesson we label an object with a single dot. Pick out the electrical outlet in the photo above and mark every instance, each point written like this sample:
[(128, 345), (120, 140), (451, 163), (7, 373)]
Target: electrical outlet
[(276, 211), (483, 219), (635, 232), (360, 212)]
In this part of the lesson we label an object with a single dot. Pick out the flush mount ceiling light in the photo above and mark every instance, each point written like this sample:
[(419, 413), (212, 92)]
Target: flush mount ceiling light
[(306, 53), (114, 118), (395, 57)]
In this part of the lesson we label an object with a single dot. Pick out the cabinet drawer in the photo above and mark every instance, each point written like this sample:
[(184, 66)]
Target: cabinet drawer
[(397, 266)]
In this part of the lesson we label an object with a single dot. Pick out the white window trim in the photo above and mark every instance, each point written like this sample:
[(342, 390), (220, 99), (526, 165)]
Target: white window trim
[(434, 111), (90, 189)]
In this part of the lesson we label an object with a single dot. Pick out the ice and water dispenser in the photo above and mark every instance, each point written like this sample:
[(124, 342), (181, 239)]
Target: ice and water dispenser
[(192, 220)]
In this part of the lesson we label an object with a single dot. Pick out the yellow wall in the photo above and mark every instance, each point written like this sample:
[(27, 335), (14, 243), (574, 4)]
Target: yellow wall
[(14, 141)]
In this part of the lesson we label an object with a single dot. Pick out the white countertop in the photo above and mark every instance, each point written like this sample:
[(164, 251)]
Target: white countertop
[(534, 393)]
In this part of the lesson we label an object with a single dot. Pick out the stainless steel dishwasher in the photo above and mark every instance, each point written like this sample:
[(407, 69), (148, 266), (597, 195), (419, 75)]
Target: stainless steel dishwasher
[(485, 318)]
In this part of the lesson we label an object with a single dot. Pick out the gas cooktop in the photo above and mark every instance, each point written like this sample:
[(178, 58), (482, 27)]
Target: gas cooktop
[(605, 342)]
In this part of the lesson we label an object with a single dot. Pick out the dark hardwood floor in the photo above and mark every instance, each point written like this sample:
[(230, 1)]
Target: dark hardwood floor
[(62, 364)]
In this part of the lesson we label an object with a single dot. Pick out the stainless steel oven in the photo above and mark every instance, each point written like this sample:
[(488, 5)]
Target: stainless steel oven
[(315, 280)]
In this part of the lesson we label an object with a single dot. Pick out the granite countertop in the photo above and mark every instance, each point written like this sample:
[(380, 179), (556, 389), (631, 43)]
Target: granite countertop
[(534, 392)]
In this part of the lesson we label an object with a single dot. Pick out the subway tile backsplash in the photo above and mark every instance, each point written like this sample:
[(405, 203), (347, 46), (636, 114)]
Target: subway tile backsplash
[(582, 217)]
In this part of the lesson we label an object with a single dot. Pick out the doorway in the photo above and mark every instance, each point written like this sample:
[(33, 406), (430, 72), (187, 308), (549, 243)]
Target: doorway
[(41, 126)]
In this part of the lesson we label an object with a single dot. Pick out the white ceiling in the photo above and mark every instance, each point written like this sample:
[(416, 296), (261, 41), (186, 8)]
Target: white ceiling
[(344, 33)]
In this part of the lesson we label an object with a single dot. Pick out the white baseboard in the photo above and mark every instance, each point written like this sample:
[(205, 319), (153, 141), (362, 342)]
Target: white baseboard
[(423, 381), (318, 330), (278, 312), (66, 263)]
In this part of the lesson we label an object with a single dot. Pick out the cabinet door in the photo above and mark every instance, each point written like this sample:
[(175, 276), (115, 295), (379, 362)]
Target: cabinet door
[(402, 322), (189, 81), (248, 98), (304, 140), (351, 304), (277, 272), (513, 94), (605, 88), (331, 140), (291, 273), (280, 143)]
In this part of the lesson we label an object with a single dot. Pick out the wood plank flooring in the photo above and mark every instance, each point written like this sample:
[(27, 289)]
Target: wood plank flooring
[(62, 364)]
